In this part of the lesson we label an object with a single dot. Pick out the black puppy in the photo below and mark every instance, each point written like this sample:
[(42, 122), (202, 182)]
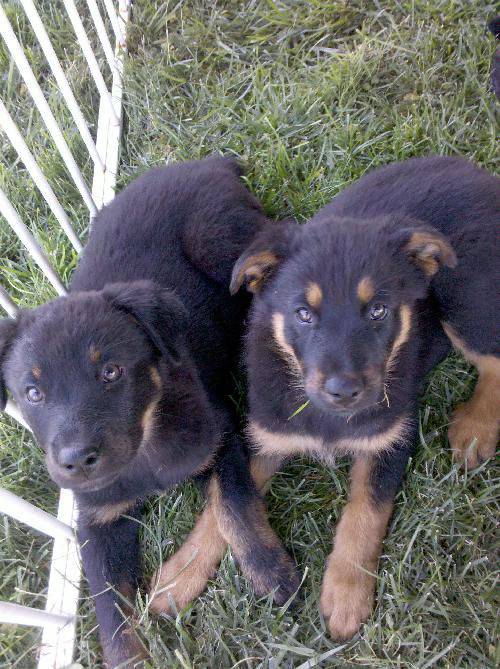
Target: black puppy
[(125, 381), (353, 310)]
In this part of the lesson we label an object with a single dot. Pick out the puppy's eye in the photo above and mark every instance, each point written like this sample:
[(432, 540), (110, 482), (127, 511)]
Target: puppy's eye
[(111, 372), (303, 315), (378, 312), (34, 395)]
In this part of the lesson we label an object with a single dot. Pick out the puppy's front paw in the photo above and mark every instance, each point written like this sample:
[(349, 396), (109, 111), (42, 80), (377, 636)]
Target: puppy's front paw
[(125, 650), (185, 575), (346, 602), (473, 437), (272, 571), (178, 582)]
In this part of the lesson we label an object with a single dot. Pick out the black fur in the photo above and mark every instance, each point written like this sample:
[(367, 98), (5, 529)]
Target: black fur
[(149, 307), (401, 226)]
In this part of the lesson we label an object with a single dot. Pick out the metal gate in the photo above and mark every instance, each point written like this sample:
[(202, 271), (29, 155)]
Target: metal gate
[(58, 620)]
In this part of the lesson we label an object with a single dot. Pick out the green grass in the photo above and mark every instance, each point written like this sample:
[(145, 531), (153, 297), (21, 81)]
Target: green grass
[(309, 95)]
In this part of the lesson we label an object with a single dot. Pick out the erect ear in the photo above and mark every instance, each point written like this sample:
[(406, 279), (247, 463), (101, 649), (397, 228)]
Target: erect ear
[(263, 256), (8, 330), (428, 248), (157, 310)]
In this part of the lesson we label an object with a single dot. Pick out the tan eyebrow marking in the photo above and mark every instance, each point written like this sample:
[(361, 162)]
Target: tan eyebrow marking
[(95, 354), (314, 294), (365, 290), (37, 372)]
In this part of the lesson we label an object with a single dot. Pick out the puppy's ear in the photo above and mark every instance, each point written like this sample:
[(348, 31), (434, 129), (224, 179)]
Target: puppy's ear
[(263, 256), (428, 248), (8, 330), (158, 311)]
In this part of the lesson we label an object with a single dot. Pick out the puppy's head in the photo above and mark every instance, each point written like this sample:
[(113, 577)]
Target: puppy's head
[(340, 297), (87, 371)]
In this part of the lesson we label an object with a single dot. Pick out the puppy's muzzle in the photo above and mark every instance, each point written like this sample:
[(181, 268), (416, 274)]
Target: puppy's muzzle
[(77, 460)]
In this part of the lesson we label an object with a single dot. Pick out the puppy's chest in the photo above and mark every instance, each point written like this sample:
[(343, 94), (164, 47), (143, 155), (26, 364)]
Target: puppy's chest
[(285, 442)]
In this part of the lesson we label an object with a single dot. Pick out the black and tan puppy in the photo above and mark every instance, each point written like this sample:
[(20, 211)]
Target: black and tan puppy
[(125, 381), (352, 311)]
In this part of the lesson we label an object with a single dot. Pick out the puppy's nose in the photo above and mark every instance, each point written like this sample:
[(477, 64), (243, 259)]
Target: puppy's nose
[(77, 459), (344, 389)]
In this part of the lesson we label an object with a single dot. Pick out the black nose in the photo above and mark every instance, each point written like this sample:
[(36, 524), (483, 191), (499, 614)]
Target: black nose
[(77, 459), (344, 389)]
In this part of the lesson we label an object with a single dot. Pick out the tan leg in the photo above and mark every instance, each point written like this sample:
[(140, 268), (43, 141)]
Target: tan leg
[(184, 576), (475, 425), (349, 583)]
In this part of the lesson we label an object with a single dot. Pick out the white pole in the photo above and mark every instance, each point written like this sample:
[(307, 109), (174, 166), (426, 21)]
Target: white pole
[(13, 411), (20, 509), (48, 118), (108, 135), (61, 79), (62, 596), (114, 19), (25, 615), (7, 303), (102, 34), (13, 219), (86, 47), (12, 132)]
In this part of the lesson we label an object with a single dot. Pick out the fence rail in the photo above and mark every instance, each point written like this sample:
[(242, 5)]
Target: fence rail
[(58, 620)]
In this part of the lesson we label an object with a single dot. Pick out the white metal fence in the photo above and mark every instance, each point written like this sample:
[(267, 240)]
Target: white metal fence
[(58, 620)]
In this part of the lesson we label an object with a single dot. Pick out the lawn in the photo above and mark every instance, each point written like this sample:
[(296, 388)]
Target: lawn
[(310, 95)]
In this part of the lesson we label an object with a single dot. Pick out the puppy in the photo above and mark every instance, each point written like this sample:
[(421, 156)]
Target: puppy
[(352, 311), (125, 381)]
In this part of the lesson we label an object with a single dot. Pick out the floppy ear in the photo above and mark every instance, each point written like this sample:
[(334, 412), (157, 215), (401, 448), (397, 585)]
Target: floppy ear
[(428, 248), (8, 329), (263, 256), (158, 311)]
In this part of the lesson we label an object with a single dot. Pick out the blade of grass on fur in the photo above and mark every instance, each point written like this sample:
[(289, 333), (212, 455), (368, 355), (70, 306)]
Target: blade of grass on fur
[(297, 411)]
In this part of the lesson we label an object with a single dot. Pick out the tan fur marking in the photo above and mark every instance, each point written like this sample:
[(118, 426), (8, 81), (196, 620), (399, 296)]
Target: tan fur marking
[(184, 576), (284, 445), (428, 248), (147, 420), (314, 295), (315, 380), (254, 270), (348, 590), (475, 425), (365, 290), (402, 338), (37, 373), (155, 377), (284, 347), (102, 515), (95, 354)]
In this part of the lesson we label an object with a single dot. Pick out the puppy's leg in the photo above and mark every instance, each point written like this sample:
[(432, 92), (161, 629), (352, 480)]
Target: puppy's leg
[(242, 520), (110, 556), (475, 425), (185, 575), (349, 583)]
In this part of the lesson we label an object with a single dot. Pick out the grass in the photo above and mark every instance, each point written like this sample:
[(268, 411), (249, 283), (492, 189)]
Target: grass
[(309, 95)]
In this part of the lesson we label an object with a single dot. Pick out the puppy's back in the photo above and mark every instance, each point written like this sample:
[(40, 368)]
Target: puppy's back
[(197, 211), (436, 190)]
